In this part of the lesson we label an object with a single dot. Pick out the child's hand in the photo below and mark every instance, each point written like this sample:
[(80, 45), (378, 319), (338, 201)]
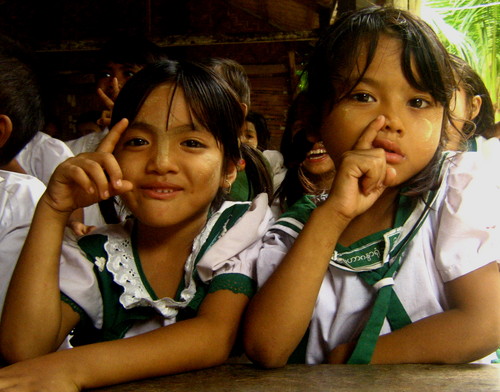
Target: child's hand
[(37, 375), (109, 102), (88, 178), (363, 174), (80, 228)]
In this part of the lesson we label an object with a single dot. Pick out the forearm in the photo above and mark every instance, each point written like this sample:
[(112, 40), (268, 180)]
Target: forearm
[(448, 337), (280, 312), (33, 298), (201, 342), (468, 331)]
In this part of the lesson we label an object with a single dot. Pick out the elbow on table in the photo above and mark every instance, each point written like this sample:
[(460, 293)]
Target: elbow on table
[(265, 356), (13, 352)]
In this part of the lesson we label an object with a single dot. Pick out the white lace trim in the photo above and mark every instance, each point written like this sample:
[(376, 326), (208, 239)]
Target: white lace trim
[(122, 266)]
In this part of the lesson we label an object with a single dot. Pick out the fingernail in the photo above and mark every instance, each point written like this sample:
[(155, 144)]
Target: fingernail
[(106, 194), (118, 183)]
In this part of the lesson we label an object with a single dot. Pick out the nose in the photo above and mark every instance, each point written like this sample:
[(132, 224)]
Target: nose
[(163, 160), (393, 121), (121, 80)]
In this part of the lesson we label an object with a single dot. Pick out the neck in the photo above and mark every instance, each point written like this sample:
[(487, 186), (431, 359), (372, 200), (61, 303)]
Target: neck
[(174, 237), (163, 253), (13, 166), (380, 216)]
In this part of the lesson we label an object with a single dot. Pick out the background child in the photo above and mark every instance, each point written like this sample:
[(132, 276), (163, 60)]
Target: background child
[(310, 170), (119, 60), (399, 264), (21, 116), (175, 279), (473, 114), (253, 172), (256, 133)]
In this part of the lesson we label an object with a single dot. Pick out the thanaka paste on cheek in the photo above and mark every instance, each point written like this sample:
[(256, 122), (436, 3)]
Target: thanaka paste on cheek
[(429, 135)]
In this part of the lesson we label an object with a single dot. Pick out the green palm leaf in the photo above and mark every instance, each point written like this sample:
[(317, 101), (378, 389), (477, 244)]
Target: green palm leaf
[(471, 30)]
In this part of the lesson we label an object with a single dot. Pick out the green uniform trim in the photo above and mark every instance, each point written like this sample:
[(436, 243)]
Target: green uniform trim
[(116, 319)]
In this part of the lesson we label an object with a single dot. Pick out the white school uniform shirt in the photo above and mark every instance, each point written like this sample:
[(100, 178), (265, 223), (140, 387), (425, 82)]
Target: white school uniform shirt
[(19, 194), (235, 252), (87, 143), (460, 235), (42, 155)]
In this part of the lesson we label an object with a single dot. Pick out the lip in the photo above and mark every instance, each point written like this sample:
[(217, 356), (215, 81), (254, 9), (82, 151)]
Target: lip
[(393, 153), (316, 155), (160, 190)]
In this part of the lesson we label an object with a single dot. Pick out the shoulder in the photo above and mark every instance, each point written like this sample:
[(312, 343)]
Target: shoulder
[(43, 144), (475, 169), (21, 189), (232, 236), (467, 214), (86, 143), (292, 221)]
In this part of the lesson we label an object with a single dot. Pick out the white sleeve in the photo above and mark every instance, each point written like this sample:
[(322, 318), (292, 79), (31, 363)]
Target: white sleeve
[(276, 244), (468, 235), (42, 155), (77, 280), (237, 250), (19, 194)]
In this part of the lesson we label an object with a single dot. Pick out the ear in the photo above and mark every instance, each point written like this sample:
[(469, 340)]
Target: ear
[(5, 129), (244, 107), (229, 176), (476, 103)]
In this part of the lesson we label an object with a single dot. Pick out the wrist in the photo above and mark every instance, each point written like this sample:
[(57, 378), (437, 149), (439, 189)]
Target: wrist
[(47, 208), (332, 216)]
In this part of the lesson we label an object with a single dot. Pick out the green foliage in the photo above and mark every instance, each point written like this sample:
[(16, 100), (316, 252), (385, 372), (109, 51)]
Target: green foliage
[(470, 29)]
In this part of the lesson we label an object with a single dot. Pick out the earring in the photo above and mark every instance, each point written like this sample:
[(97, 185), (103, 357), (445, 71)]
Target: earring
[(227, 189), (240, 166)]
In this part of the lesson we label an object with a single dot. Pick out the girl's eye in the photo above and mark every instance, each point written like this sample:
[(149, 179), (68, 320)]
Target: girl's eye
[(419, 103), (136, 142), (103, 75), (363, 97), (129, 74), (192, 143)]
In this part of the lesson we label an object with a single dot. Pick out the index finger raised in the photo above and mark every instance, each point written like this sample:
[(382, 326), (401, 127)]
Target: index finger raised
[(369, 134), (110, 141), (105, 99)]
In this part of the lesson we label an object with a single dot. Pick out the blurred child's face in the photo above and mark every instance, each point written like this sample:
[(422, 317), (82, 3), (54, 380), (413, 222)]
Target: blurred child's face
[(412, 129), (462, 108), (175, 164), (122, 72), (317, 161), (249, 135)]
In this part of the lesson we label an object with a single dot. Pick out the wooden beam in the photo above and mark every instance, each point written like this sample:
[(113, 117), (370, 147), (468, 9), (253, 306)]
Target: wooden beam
[(188, 40)]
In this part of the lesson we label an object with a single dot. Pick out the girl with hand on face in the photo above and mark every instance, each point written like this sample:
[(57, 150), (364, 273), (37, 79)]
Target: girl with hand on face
[(174, 279), (399, 264)]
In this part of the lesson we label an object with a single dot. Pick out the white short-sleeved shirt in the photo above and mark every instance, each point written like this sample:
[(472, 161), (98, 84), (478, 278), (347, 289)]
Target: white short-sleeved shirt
[(42, 155), (88, 275), (461, 234), (19, 194), (87, 143)]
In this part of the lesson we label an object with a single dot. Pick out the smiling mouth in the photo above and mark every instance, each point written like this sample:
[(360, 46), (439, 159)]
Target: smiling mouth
[(316, 154), (160, 192)]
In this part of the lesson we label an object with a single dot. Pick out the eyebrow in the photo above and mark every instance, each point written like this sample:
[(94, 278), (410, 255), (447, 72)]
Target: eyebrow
[(151, 128), (370, 81)]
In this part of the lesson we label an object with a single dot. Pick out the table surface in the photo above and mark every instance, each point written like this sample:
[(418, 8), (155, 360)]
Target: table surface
[(298, 378)]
